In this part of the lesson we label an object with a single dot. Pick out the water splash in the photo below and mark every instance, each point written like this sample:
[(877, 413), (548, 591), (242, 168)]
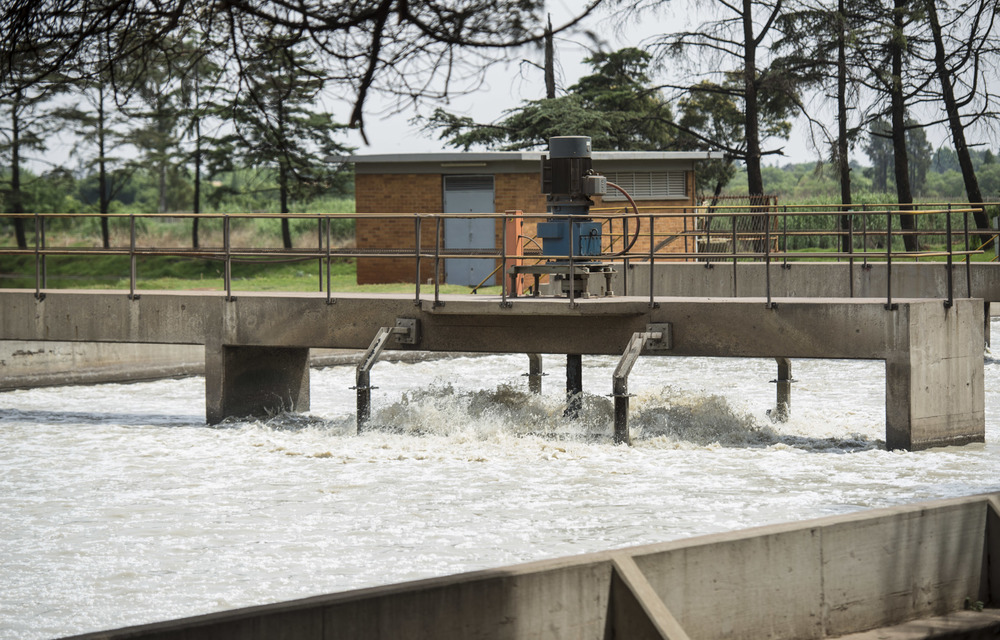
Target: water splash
[(667, 418)]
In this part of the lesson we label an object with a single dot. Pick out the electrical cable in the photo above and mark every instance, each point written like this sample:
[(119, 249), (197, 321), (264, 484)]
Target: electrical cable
[(638, 220)]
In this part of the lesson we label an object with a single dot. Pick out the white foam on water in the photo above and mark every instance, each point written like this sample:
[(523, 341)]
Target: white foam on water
[(120, 505)]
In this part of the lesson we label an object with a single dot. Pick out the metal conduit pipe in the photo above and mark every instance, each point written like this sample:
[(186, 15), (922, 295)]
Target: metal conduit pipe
[(535, 373), (574, 385), (406, 329), (656, 337)]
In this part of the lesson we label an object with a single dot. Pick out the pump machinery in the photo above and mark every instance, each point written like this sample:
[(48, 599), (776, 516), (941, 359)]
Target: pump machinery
[(570, 237)]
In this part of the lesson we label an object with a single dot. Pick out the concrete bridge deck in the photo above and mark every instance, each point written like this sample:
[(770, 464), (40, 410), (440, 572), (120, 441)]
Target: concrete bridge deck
[(257, 345)]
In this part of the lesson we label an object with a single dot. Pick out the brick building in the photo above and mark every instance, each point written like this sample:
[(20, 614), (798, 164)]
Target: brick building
[(494, 182)]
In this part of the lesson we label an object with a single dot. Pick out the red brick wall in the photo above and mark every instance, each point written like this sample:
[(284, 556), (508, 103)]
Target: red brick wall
[(423, 193), (395, 193), (680, 220)]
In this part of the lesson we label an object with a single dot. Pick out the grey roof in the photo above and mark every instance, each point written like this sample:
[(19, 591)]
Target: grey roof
[(523, 156)]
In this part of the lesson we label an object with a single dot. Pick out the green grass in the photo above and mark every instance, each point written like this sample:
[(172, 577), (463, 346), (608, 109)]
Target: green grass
[(176, 274)]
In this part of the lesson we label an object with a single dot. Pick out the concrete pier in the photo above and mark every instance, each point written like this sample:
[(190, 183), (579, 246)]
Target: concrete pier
[(933, 353), (933, 566), (254, 381)]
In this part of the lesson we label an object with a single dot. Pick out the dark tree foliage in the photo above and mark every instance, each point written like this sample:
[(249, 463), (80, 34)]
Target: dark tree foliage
[(819, 43), (729, 53), (200, 86), (879, 147), (879, 150), (97, 122), (891, 35), (406, 49), (615, 105), (25, 123), (277, 128), (962, 42)]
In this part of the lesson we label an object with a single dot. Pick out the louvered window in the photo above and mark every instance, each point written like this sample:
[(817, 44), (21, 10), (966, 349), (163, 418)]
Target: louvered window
[(468, 183), (648, 185)]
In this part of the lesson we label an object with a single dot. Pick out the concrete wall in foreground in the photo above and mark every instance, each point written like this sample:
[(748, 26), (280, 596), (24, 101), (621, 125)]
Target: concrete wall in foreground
[(816, 579)]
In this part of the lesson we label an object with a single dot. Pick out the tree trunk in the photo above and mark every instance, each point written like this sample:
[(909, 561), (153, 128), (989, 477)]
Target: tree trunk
[(162, 204), (16, 198), (902, 172), (104, 189), (196, 209), (755, 180), (286, 232), (843, 165), (972, 191), (550, 64)]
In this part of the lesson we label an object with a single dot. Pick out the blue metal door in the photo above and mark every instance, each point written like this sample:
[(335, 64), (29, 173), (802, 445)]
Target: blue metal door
[(468, 194)]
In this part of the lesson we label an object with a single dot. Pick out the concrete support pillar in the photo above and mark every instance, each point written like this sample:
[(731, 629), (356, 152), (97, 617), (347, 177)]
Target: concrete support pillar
[(783, 390), (535, 373), (574, 385), (251, 381), (986, 322), (934, 390)]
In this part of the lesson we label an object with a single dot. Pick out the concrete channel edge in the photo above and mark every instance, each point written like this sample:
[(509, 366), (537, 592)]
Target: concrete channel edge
[(931, 565)]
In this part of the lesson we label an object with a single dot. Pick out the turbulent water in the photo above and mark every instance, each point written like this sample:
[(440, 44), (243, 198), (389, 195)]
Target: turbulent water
[(118, 505)]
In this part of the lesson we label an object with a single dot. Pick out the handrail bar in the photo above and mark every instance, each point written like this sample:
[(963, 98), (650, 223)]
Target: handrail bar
[(765, 244)]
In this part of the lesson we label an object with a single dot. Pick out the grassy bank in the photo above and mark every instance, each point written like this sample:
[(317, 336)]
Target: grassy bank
[(172, 273)]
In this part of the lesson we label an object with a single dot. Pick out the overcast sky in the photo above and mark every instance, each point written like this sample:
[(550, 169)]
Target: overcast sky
[(508, 84)]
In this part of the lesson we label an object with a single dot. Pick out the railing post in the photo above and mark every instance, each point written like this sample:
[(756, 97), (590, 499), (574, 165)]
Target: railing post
[(437, 262), (416, 225), (888, 258), (625, 258), (131, 255), (329, 285), (227, 272), (864, 234), (767, 259), (968, 256), (319, 239), (38, 265), (708, 236), (784, 238), (735, 290), (503, 265), (652, 267), (684, 222), (45, 273), (850, 252), (572, 268), (948, 261)]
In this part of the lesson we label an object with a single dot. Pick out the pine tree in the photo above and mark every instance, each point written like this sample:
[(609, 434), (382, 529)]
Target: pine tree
[(732, 53), (155, 107), (277, 128), (616, 106), (24, 128), (199, 116), (99, 126)]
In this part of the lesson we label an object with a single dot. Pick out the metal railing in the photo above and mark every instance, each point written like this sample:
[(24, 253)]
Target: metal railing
[(669, 235)]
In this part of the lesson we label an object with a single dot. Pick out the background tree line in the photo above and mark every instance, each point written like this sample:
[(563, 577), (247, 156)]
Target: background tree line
[(172, 131), (869, 75), (182, 92)]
